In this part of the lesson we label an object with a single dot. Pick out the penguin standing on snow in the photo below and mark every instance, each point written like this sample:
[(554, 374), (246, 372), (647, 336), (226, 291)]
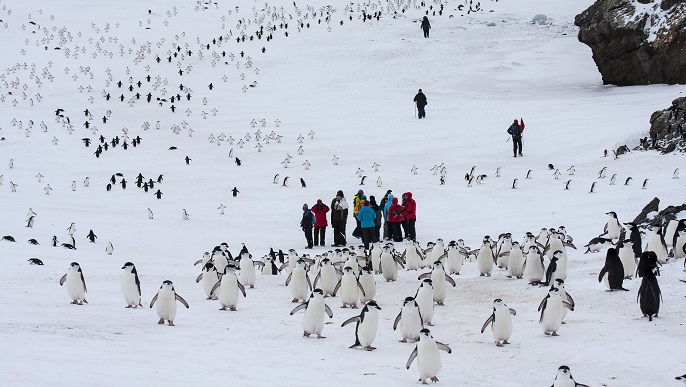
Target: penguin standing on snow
[(131, 286), (564, 378), (209, 278), (410, 320), (649, 294), (438, 278), (424, 299), (501, 318), (315, 308), (166, 299), (366, 326), (551, 312), (613, 228), (228, 286), (428, 357), (76, 284), (613, 271), (91, 236)]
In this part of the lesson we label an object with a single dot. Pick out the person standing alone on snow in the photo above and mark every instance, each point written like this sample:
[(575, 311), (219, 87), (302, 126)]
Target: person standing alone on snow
[(420, 100), (426, 26), (515, 130)]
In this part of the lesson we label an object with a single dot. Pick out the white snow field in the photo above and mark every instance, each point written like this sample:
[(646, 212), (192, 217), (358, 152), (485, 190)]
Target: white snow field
[(352, 84)]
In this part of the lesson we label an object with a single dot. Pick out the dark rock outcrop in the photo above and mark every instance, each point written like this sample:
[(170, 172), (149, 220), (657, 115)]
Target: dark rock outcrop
[(667, 129), (652, 216), (636, 42)]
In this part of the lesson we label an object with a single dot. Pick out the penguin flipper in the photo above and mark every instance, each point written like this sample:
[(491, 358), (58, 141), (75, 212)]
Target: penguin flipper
[(154, 299), (288, 280), (603, 271), (490, 319), (399, 262), (241, 287), (328, 311), (214, 288), (359, 285), (309, 283), (568, 305), (351, 320), (283, 265), (335, 290), (444, 347), (63, 279), (316, 279), (199, 278), (451, 280), (181, 300), (513, 312), (543, 303), (299, 307), (580, 385), (413, 355), (199, 261), (397, 320), (424, 276), (570, 300)]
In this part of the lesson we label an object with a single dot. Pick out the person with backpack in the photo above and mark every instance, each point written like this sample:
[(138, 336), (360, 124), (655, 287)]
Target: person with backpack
[(306, 224), (377, 220), (426, 26), (420, 100), (366, 217), (320, 210), (515, 130)]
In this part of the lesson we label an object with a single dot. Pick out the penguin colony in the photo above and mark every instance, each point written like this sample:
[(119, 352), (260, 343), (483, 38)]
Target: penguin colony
[(350, 275)]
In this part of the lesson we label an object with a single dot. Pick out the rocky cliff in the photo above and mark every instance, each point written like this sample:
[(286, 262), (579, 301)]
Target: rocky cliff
[(636, 42)]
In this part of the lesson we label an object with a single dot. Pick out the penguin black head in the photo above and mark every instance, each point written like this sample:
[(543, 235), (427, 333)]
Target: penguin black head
[(167, 282), (408, 300), (318, 291), (427, 281), (127, 265), (497, 300), (425, 332), (373, 304), (35, 261)]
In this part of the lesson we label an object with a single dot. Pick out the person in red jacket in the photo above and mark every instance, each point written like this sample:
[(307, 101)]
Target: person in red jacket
[(395, 217), (320, 210), (409, 216)]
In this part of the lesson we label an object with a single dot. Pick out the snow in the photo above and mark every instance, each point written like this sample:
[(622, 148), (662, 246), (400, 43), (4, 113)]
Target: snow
[(353, 86)]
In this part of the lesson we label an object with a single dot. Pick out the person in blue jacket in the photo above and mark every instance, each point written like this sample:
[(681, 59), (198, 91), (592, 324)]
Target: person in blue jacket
[(307, 223), (388, 204), (366, 217)]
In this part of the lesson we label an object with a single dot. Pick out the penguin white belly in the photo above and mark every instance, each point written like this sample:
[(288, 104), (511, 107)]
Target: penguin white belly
[(129, 290), (165, 306), (515, 264), (655, 244), (670, 230), (410, 323), (614, 229), (426, 305), (428, 360), (502, 326), (209, 279), (626, 255), (454, 261), (555, 244), (438, 282), (350, 293), (389, 268), (228, 291), (376, 260), (247, 272), (298, 284), (369, 286), (328, 280), (366, 331), (552, 315), (220, 262), (563, 296), (313, 321), (75, 288), (564, 383), (412, 259), (534, 268), (484, 261), (679, 246)]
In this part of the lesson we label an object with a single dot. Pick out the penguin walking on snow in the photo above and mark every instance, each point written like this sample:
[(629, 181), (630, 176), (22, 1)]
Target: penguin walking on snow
[(613, 228), (564, 378), (235, 191), (166, 299), (410, 320), (501, 318), (76, 284), (366, 326), (91, 236), (315, 308), (613, 271), (428, 357), (229, 287), (649, 294), (130, 286), (551, 312)]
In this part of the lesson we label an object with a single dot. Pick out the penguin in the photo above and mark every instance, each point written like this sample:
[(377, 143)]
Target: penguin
[(35, 261), (209, 278), (682, 378), (557, 268), (560, 285), (485, 259), (516, 262), (567, 185), (328, 275), (375, 257), (227, 288), (592, 188), (91, 236), (501, 318), (424, 299), (109, 249), (410, 320), (454, 259), (645, 184), (235, 192), (8, 238), (564, 378), (647, 259), (656, 243), (438, 278), (315, 308), (276, 179), (166, 299), (298, 281), (649, 294), (389, 265), (150, 214), (628, 180), (428, 357), (350, 288), (635, 236), (76, 284), (364, 178), (528, 174), (613, 228), (413, 255), (247, 269), (285, 182), (220, 260), (514, 184), (368, 284), (551, 312), (54, 241), (597, 244), (130, 286), (679, 240), (613, 179), (675, 174), (625, 250), (503, 247), (601, 174), (366, 326), (571, 170)]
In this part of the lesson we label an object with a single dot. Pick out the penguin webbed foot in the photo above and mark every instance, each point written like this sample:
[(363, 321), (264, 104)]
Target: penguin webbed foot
[(161, 321), (321, 337), (171, 323), (369, 348), (499, 344)]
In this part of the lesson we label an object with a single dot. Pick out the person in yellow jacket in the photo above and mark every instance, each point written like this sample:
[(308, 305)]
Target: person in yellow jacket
[(358, 203)]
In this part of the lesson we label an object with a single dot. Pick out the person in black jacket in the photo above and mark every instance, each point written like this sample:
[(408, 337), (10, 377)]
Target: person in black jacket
[(307, 223), (426, 26), (515, 130), (420, 100)]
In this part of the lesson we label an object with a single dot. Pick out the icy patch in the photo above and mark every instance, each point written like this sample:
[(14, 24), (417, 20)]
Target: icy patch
[(540, 19)]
